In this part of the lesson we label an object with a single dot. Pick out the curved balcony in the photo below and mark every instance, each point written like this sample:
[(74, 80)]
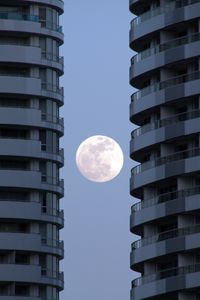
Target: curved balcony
[(162, 168), (21, 85), (178, 54), (159, 18), (18, 16), (50, 154), (53, 91), (170, 234), (53, 122), (165, 122), (29, 179), (188, 39), (30, 24), (54, 61), (171, 5), (166, 274), (54, 278), (144, 138), (26, 53), (31, 242), (52, 183), (162, 97), (29, 148), (31, 117), (165, 85), (56, 4), (163, 198), (166, 281), (171, 204), (165, 243), (30, 210), (166, 159), (52, 216), (30, 273), (53, 246)]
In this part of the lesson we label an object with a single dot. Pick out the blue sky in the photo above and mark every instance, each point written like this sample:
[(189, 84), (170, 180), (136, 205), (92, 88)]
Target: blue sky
[(97, 96)]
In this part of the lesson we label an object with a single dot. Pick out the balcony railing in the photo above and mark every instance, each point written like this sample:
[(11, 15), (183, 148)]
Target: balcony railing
[(173, 4), (49, 149), (188, 39), (165, 274), (53, 119), (52, 243), (18, 74), (28, 17), (166, 122), (53, 212), (166, 159), (46, 272), (165, 198), (52, 88), (165, 84), (52, 57), (170, 234), (18, 16), (51, 25), (52, 180)]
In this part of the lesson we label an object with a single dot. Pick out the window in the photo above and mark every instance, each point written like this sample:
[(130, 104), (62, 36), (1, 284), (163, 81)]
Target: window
[(21, 290), (22, 258), (13, 133)]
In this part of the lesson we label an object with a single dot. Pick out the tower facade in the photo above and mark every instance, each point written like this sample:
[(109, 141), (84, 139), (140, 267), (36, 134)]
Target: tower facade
[(30, 155), (166, 108)]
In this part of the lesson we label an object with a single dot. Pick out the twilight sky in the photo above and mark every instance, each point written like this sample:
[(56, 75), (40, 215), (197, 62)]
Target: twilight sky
[(97, 96)]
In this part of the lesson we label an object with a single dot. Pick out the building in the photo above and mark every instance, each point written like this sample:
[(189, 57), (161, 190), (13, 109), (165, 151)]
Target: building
[(166, 71), (30, 157)]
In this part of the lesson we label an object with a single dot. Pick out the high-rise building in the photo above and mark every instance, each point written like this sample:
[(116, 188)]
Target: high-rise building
[(166, 71), (30, 156)]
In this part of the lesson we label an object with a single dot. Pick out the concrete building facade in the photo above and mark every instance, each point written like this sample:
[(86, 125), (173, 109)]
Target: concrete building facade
[(30, 155), (166, 71)]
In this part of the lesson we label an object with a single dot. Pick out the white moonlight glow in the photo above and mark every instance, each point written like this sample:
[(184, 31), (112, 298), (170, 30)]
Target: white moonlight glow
[(99, 158)]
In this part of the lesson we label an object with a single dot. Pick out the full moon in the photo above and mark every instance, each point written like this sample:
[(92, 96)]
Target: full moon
[(99, 158)]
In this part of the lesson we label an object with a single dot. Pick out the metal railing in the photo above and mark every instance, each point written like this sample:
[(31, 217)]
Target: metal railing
[(170, 234), (33, 18), (165, 46), (53, 212), (165, 274), (46, 272), (18, 230), (165, 84), (170, 6), (53, 57), (53, 119), (18, 16), (52, 243), (52, 180), (165, 122), (16, 43), (52, 88), (175, 195), (51, 25), (18, 74), (165, 159), (47, 149)]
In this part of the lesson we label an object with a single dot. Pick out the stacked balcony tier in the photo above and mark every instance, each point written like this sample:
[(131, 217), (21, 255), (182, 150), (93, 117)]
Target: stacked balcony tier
[(165, 145)]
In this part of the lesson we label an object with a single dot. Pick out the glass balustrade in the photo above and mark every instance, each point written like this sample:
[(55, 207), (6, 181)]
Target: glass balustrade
[(162, 198), (165, 159)]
